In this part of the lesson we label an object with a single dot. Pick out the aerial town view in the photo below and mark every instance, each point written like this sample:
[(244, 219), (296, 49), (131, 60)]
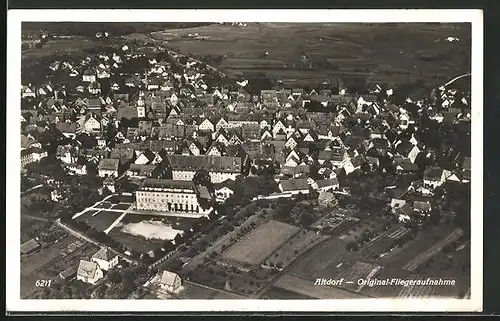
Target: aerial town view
[(245, 160)]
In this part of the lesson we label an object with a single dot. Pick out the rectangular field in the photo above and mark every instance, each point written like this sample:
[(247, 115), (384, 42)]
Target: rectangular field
[(261, 242), (135, 243), (100, 220)]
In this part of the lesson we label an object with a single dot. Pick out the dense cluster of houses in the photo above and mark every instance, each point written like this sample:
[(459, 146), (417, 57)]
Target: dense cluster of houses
[(165, 122)]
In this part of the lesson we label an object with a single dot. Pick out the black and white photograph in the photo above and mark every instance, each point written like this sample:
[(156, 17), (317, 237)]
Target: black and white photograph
[(251, 160)]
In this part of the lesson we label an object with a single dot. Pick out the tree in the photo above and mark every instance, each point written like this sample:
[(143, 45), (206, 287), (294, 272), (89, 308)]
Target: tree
[(202, 177), (351, 246), (114, 277), (435, 216), (158, 253)]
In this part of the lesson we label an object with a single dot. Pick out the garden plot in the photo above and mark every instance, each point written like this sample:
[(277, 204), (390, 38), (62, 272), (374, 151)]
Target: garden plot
[(294, 247)]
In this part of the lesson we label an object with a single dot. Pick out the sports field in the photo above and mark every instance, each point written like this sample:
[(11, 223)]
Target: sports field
[(260, 243)]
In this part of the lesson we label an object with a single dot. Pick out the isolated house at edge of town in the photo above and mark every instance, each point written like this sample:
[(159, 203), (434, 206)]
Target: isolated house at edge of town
[(89, 272)]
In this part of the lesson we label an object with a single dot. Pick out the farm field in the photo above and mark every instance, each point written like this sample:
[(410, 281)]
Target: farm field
[(424, 241), (349, 48), (425, 256), (260, 243), (48, 262), (306, 287), (60, 46), (454, 263)]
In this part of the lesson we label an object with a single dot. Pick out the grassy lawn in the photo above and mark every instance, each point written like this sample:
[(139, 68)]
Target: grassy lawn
[(261, 242)]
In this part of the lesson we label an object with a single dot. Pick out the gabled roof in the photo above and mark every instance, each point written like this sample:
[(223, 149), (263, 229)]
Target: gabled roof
[(327, 182), (325, 155), (104, 254), (381, 143), (143, 170), (167, 183), (148, 154), (433, 173), (66, 127), (125, 154), (109, 164), (313, 134), (466, 164), (422, 206), (353, 141), (357, 161), (209, 163), (27, 141), (87, 269), (404, 148), (228, 183), (408, 166), (294, 184), (31, 150), (29, 246), (168, 278)]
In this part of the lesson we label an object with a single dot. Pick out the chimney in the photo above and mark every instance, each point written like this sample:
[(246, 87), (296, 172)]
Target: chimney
[(55, 94)]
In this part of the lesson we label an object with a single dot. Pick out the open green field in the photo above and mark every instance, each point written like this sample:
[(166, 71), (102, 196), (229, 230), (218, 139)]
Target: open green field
[(260, 243), (375, 52), (100, 220)]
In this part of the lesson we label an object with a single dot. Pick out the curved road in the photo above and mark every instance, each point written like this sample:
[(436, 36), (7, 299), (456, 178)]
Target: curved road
[(457, 78)]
